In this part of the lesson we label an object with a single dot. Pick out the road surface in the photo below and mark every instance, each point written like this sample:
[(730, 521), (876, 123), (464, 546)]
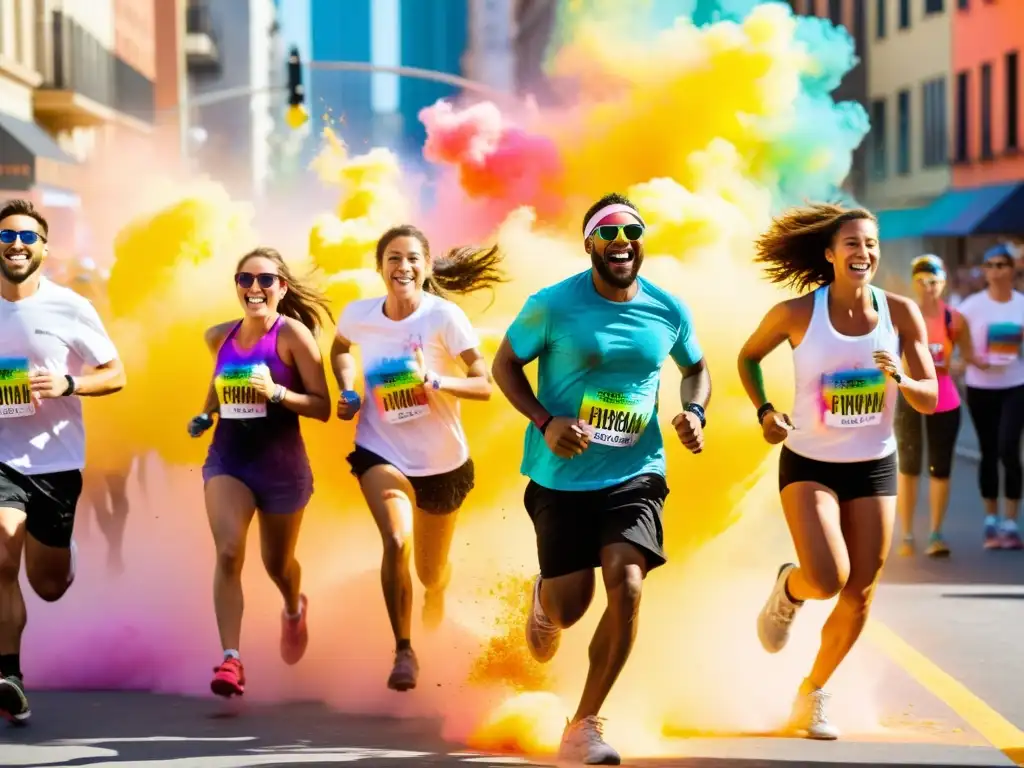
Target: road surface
[(945, 633)]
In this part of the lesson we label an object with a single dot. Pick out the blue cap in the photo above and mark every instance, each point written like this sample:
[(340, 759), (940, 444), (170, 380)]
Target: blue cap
[(928, 264), (1001, 251)]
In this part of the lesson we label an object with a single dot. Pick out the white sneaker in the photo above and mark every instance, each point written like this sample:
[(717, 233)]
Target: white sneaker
[(776, 618), (810, 718), (542, 636), (583, 742)]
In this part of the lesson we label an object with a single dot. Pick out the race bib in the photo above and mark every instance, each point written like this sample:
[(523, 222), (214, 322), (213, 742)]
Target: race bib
[(1003, 343), (400, 396), (238, 399), (15, 393), (938, 352), (853, 398), (616, 419)]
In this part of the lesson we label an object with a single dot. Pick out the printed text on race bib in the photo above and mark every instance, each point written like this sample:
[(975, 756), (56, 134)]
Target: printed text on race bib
[(15, 392), (1003, 341), (854, 398), (238, 398), (400, 396), (615, 419)]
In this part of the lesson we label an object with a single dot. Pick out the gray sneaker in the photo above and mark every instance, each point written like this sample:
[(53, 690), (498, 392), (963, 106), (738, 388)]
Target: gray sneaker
[(583, 742), (13, 701), (405, 671), (542, 636), (776, 618), (809, 716)]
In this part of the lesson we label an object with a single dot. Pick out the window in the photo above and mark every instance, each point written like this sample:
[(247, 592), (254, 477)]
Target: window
[(986, 111), (858, 25), (962, 4), (903, 135), (962, 110), (1012, 100), (880, 11), (879, 154), (904, 14), (933, 122), (835, 11), (934, 6)]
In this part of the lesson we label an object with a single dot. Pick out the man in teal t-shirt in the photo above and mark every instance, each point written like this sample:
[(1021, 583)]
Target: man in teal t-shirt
[(594, 452)]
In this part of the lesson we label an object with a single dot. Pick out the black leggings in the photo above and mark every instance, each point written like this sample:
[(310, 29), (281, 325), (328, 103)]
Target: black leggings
[(998, 416), (941, 429)]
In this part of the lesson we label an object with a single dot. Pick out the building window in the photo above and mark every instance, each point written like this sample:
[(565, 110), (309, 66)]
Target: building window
[(904, 14), (933, 6), (835, 11), (903, 135), (962, 110), (879, 155), (858, 25), (880, 11), (963, 4), (986, 111), (933, 109), (1012, 100)]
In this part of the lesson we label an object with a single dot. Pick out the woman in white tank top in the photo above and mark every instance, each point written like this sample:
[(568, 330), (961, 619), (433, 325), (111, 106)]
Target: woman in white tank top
[(837, 469)]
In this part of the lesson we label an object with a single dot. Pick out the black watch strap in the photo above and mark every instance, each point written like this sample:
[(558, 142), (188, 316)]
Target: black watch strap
[(698, 411), (544, 427), (70, 390), (763, 410)]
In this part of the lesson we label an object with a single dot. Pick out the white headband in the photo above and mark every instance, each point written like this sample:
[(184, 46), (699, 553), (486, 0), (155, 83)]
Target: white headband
[(608, 210)]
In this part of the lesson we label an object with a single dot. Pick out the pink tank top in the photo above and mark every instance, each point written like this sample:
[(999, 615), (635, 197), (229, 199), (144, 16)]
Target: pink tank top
[(940, 344)]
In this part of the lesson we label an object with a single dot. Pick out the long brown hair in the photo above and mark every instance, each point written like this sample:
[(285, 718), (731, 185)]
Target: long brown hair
[(301, 301), (793, 248), (462, 270)]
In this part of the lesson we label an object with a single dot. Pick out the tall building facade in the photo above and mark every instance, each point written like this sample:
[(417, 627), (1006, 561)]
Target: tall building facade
[(231, 44), (342, 32)]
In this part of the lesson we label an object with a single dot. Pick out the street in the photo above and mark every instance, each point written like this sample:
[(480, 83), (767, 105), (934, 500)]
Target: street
[(942, 637)]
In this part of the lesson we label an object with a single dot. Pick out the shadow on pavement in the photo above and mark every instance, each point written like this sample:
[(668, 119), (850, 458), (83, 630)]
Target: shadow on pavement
[(985, 595)]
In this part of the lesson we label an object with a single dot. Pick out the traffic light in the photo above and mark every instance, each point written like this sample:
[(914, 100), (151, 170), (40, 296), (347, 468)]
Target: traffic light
[(296, 115)]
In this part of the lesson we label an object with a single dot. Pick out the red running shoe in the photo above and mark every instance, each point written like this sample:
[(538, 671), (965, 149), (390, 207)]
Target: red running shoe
[(294, 634), (228, 678)]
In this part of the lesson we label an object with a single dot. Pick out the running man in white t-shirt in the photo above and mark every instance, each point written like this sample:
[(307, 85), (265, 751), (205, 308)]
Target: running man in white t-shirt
[(53, 348), (420, 355)]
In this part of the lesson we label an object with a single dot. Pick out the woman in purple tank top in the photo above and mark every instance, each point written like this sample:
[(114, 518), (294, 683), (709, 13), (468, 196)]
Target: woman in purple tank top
[(268, 373)]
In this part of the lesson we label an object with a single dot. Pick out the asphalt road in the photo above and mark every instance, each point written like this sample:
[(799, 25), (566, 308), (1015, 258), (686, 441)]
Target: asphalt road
[(945, 635)]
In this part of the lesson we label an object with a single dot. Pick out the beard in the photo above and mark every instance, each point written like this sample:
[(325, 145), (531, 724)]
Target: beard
[(20, 276), (618, 280)]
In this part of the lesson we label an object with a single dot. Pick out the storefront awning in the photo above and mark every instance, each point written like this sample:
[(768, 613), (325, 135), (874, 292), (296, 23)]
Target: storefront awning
[(963, 212), (21, 144)]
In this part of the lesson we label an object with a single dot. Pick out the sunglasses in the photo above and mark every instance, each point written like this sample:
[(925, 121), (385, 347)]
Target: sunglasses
[(8, 236), (997, 264), (265, 279), (928, 282), (611, 231)]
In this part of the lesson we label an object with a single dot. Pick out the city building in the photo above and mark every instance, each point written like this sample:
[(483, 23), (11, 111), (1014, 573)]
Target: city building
[(231, 49), (852, 15), (171, 75), (909, 83), (342, 32)]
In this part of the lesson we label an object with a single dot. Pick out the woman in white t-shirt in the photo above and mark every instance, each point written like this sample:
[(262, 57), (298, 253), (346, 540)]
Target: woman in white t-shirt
[(420, 355), (995, 393)]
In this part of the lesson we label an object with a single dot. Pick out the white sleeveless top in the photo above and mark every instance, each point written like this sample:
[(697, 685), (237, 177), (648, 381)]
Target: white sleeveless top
[(844, 405)]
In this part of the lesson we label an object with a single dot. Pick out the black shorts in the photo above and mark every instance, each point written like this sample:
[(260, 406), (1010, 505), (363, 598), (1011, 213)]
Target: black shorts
[(916, 431), (847, 480), (438, 494), (48, 501), (573, 527)]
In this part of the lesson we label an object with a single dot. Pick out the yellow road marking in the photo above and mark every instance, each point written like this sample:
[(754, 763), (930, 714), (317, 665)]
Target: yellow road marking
[(1000, 732)]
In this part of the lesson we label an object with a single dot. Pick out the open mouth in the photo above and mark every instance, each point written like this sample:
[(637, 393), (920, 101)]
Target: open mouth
[(860, 269), (403, 280), (17, 257), (620, 258), (255, 301)]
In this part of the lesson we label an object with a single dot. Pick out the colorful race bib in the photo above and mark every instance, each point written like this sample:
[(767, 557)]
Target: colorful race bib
[(400, 396), (853, 398), (616, 419), (238, 398), (938, 352), (1003, 343), (15, 393)]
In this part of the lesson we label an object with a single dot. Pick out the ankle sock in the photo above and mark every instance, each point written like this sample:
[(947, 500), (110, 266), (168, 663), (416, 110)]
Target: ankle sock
[(403, 645), (10, 665), (231, 653)]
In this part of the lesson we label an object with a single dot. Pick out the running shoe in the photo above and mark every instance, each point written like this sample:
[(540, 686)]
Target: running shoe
[(294, 634), (405, 671), (583, 742), (937, 546), (542, 636), (992, 540), (13, 701), (809, 716), (228, 678), (906, 547), (1009, 536), (776, 618)]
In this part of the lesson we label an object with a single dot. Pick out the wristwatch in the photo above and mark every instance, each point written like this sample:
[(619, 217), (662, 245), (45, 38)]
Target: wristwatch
[(697, 411), (70, 390)]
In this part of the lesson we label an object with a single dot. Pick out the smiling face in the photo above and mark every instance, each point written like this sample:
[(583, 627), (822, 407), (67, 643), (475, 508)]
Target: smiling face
[(404, 266), (616, 251), (259, 286), (854, 252), (999, 271), (20, 260)]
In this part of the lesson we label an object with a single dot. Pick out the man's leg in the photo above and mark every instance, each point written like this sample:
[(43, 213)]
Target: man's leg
[(13, 703), (49, 550)]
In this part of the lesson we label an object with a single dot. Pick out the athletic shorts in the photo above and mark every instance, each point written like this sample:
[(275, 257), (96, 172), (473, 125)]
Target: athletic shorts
[(278, 489), (48, 501), (847, 480), (438, 494), (573, 527)]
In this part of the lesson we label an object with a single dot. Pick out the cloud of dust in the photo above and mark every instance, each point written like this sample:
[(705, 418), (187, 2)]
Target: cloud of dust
[(709, 130)]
